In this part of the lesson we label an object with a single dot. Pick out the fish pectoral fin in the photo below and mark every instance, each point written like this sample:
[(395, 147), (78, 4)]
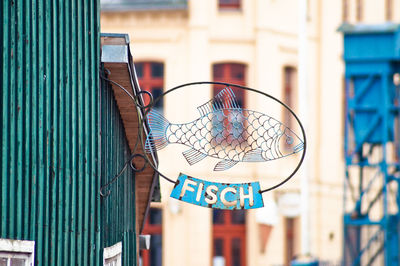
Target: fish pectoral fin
[(253, 156), (224, 165), (193, 156)]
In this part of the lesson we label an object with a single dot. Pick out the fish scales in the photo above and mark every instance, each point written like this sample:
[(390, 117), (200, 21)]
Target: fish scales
[(226, 140), (225, 131)]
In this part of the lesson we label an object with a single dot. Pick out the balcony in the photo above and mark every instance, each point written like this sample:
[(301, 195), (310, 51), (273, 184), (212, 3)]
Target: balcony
[(142, 5)]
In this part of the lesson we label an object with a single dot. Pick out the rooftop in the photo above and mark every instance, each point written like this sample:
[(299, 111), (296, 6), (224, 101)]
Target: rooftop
[(142, 5)]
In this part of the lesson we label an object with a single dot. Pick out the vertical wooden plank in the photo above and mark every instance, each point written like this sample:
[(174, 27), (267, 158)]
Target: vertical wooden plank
[(74, 139), (47, 134), (81, 138), (5, 119), (61, 135), (93, 70), (68, 134), (54, 113), (12, 119), (27, 121), (19, 114), (41, 136), (86, 144), (35, 124)]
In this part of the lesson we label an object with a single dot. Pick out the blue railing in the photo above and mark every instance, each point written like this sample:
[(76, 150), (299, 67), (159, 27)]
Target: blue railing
[(142, 5)]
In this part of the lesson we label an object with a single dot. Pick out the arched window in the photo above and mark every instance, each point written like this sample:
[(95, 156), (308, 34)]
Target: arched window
[(151, 79), (232, 73)]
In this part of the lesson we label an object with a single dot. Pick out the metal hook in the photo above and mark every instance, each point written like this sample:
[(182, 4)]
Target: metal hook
[(119, 174), (104, 195)]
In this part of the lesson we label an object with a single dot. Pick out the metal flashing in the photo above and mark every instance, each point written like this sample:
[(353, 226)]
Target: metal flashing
[(114, 54), (110, 38)]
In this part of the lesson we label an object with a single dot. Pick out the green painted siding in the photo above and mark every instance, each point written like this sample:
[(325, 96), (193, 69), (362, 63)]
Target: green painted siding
[(118, 207), (53, 158)]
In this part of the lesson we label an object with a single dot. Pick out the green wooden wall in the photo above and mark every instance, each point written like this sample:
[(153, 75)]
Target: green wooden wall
[(118, 208), (54, 151)]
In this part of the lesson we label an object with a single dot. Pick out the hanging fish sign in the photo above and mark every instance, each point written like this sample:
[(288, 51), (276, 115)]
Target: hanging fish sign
[(224, 135)]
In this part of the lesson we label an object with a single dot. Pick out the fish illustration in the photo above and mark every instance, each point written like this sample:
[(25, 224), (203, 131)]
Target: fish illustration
[(225, 131)]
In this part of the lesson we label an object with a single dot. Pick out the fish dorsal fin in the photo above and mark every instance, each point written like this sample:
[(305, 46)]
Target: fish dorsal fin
[(225, 99)]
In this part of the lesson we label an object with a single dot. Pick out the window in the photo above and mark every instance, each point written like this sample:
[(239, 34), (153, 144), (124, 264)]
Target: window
[(229, 238), (289, 93), (17, 252), (113, 255), (235, 74), (151, 79), (231, 73), (229, 4), (153, 227)]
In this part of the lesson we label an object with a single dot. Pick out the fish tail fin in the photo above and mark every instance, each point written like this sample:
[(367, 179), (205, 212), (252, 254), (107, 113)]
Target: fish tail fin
[(157, 138)]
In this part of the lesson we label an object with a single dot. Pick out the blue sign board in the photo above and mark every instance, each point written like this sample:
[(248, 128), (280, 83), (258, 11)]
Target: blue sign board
[(218, 195)]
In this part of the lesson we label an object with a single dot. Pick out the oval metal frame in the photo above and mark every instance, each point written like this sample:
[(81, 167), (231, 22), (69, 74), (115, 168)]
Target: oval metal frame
[(149, 106)]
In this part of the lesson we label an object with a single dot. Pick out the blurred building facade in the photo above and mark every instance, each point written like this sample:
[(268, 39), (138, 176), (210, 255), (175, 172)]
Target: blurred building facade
[(253, 43)]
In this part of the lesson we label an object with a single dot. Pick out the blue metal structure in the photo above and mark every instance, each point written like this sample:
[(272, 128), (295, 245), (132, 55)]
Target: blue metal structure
[(372, 149)]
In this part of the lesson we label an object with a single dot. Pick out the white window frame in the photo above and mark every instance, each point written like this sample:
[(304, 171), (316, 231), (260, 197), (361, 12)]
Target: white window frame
[(23, 249), (112, 256)]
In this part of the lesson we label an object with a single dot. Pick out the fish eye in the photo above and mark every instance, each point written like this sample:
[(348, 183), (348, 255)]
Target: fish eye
[(289, 140)]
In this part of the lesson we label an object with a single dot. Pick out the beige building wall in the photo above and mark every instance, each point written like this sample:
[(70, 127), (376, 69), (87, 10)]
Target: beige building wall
[(263, 35)]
